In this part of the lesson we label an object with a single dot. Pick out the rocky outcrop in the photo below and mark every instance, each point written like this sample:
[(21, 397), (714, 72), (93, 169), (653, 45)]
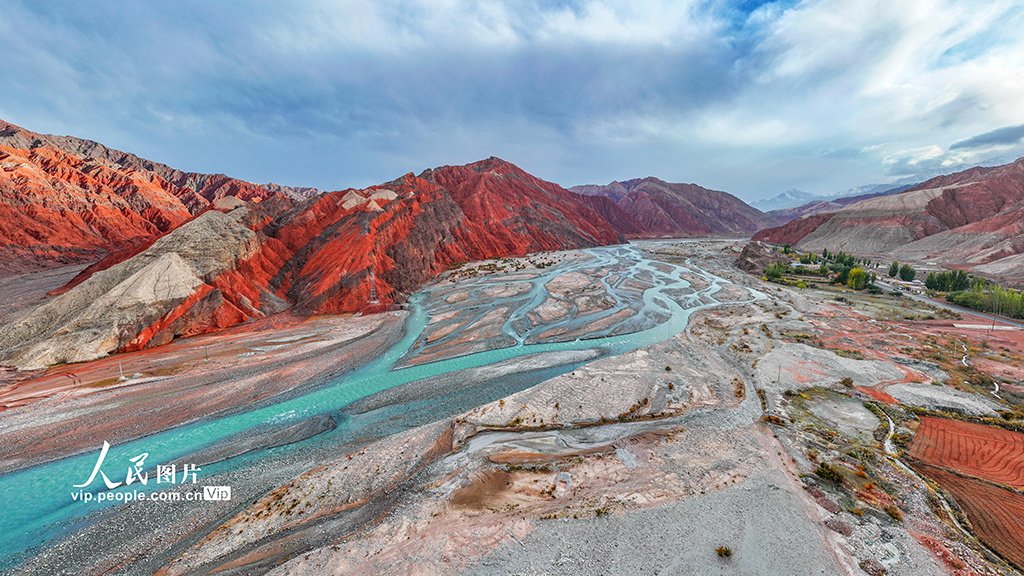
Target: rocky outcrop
[(134, 304), (755, 257), (663, 208), (968, 219)]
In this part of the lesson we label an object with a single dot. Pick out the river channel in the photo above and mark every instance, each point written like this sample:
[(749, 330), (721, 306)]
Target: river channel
[(39, 508)]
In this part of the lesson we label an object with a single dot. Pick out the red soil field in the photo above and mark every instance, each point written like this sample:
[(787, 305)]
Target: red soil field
[(996, 514), (976, 450)]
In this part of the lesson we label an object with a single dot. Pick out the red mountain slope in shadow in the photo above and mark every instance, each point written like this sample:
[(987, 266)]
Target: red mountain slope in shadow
[(247, 260), (968, 219), (65, 200), (663, 208)]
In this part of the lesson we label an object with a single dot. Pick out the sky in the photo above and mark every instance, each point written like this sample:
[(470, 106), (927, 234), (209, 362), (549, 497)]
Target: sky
[(745, 96)]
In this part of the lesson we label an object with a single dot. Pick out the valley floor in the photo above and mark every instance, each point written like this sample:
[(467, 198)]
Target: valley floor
[(772, 436)]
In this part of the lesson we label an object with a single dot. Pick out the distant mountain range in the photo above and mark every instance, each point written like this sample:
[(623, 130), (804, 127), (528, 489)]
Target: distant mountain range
[(834, 203), (972, 219), (173, 253), (798, 202), (783, 205), (788, 199)]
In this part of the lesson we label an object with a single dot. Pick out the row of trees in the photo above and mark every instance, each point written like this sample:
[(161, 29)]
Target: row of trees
[(844, 259), (961, 288), (953, 281), (991, 298)]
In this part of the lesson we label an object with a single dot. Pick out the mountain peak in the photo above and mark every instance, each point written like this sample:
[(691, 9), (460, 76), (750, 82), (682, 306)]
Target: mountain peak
[(788, 199)]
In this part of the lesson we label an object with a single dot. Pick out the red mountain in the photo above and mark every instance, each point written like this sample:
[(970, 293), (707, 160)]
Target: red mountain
[(237, 260), (972, 219), (663, 208), (65, 200)]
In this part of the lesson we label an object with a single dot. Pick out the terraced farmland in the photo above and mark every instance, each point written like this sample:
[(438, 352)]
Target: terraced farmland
[(996, 514), (976, 450)]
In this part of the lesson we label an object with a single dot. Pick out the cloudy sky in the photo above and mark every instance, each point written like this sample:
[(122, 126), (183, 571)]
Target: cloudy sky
[(739, 95)]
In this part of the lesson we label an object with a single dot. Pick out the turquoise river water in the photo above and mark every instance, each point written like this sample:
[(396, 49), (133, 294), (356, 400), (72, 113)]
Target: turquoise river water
[(38, 507)]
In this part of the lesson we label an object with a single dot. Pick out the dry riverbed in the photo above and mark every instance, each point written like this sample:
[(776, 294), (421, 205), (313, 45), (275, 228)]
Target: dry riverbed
[(701, 454), (767, 438)]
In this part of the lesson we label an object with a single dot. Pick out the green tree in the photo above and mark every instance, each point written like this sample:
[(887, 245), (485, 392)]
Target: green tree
[(857, 279), (775, 271), (809, 258), (894, 269), (907, 273)]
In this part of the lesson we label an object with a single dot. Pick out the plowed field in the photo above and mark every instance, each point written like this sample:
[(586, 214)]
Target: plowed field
[(976, 450), (996, 514)]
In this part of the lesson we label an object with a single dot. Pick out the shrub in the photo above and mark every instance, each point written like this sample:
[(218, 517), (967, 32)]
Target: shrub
[(724, 551), (826, 471), (894, 512)]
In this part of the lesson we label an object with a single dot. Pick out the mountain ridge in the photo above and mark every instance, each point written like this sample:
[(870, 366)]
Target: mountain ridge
[(664, 208), (66, 200), (202, 259), (972, 219)]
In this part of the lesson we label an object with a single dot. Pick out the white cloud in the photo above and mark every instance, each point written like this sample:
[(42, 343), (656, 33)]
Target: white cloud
[(824, 90)]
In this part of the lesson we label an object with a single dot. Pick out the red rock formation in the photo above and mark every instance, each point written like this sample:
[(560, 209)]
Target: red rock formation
[(663, 208), (794, 231), (317, 256), (413, 228), (66, 201)]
